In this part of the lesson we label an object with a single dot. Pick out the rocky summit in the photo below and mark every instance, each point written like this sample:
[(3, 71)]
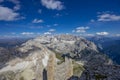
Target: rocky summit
[(59, 57)]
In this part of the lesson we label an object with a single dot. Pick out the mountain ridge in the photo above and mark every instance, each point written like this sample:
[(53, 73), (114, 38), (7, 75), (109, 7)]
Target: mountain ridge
[(74, 54)]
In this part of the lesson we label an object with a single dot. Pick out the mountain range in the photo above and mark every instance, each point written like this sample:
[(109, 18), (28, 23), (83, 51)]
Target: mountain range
[(109, 46), (58, 57)]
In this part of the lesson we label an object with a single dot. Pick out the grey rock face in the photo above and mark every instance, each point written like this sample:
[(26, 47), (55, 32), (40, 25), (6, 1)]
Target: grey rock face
[(55, 58), (37, 62), (75, 47)]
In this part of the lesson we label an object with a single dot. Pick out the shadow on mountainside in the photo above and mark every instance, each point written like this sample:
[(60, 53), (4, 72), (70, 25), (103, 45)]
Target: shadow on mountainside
[(8, 54), (86, 76)]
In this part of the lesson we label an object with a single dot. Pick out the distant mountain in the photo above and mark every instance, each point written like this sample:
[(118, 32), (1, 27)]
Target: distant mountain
[(10, 42), (109, 46), (73, 46), (8, 48)]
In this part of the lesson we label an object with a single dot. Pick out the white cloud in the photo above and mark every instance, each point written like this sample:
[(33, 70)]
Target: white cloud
[(40, 11), (92, 20), (89, 35), (37, 21), (52, 30), (1, 1), (52, 4), (84, 28), (55, 24), (102, 33), (47, 33), (48, 26), (58, 15), (118, 35), (80, 29), (14, 1), (13, 33), (108, 17), (7, 14), (17, 4), (17, 7), (27, 33)]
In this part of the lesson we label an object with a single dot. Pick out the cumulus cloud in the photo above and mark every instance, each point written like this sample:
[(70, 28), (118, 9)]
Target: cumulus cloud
[(47, 33), (17, 4), (108, 17), (52, 4), (37, 21), (7, 14), (27, 33), (102, 33), (50, 31), (80, 29), (17, 7)]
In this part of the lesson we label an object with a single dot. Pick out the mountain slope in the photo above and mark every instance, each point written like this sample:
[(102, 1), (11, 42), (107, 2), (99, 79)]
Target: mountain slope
[(109, 46), (58, 57)]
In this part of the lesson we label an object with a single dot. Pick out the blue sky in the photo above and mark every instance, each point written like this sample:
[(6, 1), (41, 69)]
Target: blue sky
[(81, 17)]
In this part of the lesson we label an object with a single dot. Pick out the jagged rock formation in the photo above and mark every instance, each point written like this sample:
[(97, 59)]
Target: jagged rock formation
[(51, 67), (35, 62), (69, 68), (55, 58), (4, 57), (66, 43), (65, 70), (75, 47)]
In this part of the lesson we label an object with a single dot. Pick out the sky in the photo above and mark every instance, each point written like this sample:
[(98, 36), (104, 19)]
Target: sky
[(80, 17)]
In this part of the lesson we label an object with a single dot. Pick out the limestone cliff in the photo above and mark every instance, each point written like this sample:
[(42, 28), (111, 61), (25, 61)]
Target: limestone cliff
[(54, 58), (36, 62), (51, 67), (64, 70)]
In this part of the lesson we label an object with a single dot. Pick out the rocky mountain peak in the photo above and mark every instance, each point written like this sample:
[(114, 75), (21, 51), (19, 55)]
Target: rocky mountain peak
[(54, 58)]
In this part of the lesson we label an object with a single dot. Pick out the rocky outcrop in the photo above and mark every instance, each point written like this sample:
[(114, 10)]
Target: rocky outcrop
[(69, 68), (36, 62), (54, 58), (51, 67), (65, 70), (75, 47)]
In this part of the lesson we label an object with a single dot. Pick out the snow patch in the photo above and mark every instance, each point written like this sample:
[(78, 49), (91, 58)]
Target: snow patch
[(69, 42), (45, 60), (35, 60), (18, 66)]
